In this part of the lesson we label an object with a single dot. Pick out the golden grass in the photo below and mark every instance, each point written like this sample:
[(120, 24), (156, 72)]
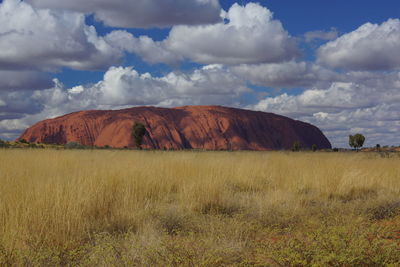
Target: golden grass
[(132, 208)]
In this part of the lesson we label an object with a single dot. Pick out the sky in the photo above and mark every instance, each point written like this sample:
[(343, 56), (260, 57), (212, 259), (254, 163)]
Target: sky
[(334, 64)]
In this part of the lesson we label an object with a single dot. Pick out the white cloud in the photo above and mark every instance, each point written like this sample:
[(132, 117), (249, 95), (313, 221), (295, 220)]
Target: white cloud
[(287, 74), (46, 39), (125, 86), (142, 13), (121, 88), (321, 35), (249, 34), (149, 50), (370, 47), (345, 108)]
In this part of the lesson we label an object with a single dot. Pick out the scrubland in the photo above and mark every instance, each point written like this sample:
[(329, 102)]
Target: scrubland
[(145, 208)]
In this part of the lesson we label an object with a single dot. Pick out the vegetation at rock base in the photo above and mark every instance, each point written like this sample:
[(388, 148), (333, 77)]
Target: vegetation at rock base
[(138, 132), (73, 145), (296, 146), (314, 147), (148, 208)]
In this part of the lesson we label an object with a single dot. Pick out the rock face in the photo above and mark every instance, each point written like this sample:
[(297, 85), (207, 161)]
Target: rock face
[(190, 127)]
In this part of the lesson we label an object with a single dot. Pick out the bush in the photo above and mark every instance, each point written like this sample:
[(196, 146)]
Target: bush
[(138, 132), (4, 144), (314, 147), (73, 145), (103, 147), (296, 146)]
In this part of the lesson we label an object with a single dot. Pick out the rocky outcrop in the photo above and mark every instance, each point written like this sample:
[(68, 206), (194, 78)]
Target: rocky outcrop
[(190, 127)]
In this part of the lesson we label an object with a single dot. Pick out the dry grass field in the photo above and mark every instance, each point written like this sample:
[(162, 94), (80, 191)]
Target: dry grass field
[(133, 208)]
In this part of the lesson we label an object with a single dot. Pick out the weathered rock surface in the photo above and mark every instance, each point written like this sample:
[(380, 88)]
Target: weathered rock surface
[(190, 127)]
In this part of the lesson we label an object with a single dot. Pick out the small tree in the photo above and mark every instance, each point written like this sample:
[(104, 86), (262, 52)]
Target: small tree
[(378, 147), (314, 147), (356, 141), (138, 131), (296, 146)]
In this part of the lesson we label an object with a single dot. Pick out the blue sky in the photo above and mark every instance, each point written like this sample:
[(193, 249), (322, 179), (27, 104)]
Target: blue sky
[(298, 17), (333, 64)]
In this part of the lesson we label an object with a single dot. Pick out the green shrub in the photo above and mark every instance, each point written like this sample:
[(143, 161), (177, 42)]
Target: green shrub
[(33, 145), (73, 145), (296, 146), (138, 132), (314, 147), (4, 144)]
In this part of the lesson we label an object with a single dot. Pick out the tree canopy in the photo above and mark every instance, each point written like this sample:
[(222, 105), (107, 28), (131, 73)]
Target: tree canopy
[(138, 131), (356, 141)]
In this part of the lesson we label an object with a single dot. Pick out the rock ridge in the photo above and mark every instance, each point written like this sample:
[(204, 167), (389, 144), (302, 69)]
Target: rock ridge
[(188, 127)]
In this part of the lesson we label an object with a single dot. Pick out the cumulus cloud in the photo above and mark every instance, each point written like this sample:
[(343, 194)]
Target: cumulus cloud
[(287, 74), (121, 88), (149, 50), (142, 13), (370, 47), (46, 39), (345, 108), (249, 34), (126, 87)]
